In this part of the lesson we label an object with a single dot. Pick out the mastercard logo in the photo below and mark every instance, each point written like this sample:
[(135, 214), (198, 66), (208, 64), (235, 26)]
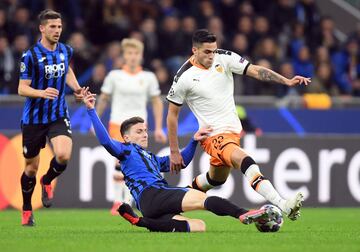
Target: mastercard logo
[(12, 163)]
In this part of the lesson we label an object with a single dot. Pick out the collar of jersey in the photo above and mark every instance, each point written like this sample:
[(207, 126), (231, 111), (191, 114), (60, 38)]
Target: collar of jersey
[(126, 70), (45, 49), (196, 64)]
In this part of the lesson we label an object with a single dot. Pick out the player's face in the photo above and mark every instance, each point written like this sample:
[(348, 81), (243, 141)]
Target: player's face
[(138, 134), (204, 54), (51, 30), (132, 56)]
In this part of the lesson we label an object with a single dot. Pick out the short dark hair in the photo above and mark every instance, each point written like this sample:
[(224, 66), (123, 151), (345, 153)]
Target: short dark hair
[(203, 36), (127, 124), (47, 14)]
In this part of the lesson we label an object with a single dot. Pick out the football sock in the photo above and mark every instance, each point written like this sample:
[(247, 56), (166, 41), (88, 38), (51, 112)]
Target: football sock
[(261, 184), (203, 182), (170, 225), (27, 188), (55, 170), (223, 207)]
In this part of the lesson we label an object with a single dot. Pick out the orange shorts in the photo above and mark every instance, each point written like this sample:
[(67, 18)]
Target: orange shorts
[(220, 147), (114, 132)]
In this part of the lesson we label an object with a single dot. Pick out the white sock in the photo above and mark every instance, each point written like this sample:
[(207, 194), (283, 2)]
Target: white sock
[(203, 183), (264, 187)]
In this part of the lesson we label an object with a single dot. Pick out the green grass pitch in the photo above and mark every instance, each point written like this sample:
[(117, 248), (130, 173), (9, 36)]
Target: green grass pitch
[(78, 230)]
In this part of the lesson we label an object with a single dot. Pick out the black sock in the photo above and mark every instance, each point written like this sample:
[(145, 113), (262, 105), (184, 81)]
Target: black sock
[(55, 170), (223, 207), (170, 225), (27, 188)]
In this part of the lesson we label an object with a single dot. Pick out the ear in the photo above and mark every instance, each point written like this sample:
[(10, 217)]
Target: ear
[(41, 28), (194, 50), (126, 138)]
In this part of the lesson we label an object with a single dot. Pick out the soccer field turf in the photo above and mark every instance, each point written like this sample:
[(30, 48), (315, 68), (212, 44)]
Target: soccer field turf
[(95, 230)]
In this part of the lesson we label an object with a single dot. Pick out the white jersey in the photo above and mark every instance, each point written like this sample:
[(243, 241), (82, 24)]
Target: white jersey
[(209, 93), (129, 93)]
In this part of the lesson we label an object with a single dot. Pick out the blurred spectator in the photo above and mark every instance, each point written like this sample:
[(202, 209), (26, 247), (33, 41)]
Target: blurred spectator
[(322, 56), (322, 81), (113, 52), (326, 35), (83, 56), (347, 68), (229, 14), (151, 42), (171, 38), (246, 8), (97, 78), (267, 49), (164, 79), (7, 67), (240, 45), (205, 11), (261, 30), (282, 16), (302, 63), (307, 13), (4, 23), (188, 26), (22, 24)]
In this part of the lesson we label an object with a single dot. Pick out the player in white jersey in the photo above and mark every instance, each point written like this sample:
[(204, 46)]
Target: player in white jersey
[(205, 83), (129, 89)]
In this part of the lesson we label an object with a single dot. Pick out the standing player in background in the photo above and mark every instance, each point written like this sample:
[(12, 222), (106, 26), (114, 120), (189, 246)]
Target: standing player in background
[(129, 89), (44, 71), (206, 83)]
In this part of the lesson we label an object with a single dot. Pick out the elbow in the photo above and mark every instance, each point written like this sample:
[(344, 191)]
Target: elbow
[(20, 91)]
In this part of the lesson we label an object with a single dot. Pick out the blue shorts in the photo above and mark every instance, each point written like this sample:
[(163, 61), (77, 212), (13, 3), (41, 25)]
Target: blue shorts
[(161, 201)]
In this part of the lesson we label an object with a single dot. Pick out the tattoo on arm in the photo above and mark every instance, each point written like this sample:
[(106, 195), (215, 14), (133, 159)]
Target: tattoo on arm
[(266, 75)]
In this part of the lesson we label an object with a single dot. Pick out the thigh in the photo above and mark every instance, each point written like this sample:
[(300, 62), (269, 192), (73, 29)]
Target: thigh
[(159, 201), (60, 137), (193, 200), (33, 140)]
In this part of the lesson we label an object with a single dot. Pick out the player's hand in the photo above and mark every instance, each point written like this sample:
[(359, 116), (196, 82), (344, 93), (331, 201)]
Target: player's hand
[(79, 94), (50, 93), (202, 133), (176, 162), (89, 98), (298, 80), (160, 136)]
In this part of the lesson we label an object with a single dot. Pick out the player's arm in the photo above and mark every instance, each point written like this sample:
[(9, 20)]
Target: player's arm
[(72, 82), (25, 89), (102, 103), (188, 152), (176, 160), (264, 74), (158, 109), (115, 148)]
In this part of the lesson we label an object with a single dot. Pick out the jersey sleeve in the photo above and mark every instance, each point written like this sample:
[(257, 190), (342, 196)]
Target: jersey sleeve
[(26, 66), (164, 163), (236, 63), (108, 85), (153, 89), (177, 91), (115, 148)]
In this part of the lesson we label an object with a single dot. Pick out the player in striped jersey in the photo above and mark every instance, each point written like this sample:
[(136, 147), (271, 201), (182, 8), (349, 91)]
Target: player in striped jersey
[(44, 71), (160, 203)]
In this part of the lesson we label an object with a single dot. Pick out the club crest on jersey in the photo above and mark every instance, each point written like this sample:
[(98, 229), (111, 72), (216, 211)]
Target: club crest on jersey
[(146, 154), (22, 67), (219, 68), (62, 57), (54, 71)]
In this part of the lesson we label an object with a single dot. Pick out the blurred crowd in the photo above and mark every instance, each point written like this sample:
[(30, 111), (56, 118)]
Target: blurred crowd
[(289, 36)]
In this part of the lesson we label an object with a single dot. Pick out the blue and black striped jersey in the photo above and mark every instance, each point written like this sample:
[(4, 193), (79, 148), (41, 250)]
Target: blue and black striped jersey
[(45, 69), (140, 167)]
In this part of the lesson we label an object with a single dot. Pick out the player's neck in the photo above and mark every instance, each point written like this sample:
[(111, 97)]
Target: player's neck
[(195, 62), (132, 69), (48, 45)]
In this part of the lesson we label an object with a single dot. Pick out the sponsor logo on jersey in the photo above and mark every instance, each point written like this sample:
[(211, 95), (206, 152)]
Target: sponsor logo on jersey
[(54, 71)]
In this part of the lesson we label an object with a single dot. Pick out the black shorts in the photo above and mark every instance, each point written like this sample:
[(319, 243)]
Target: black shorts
[(162, 201), (34, 135)]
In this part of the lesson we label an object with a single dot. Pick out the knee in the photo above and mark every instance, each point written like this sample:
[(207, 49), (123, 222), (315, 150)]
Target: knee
[(31, 168), (197, 226), (63, 157)]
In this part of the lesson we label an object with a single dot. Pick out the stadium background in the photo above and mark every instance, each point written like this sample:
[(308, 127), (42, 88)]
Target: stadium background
[(308, 137)]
